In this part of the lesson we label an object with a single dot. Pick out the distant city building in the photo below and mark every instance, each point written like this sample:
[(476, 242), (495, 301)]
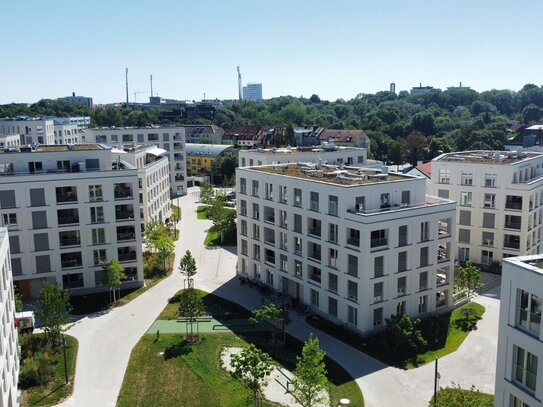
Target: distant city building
[(393, 87), (84, 100), (499, 197), (183, 109), (459, 87), (420, 89), (66, 134), (206, 159), (348, 138), (252, 135), (169, 138), (203, 133), (10, 140), (34, 130), (253, 91), (69, 210), (326, 153), (307, 135), (529, 138), (82, 122), (9, 349), (355, 245), (519, 364)]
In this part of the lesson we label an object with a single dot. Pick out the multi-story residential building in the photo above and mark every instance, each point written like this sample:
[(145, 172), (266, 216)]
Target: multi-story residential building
[(357, 245), (66, 134), (153, 179), (9, 345), (251, 135), (348, 138), (499, 199), (10, 140), (307, 135), (69, 210), (206, 159), (417, 90), (171, 139), (252, 91), (82, 122), (35, 130), (207, 133), (327, 153), (84, 100), (519, 364)]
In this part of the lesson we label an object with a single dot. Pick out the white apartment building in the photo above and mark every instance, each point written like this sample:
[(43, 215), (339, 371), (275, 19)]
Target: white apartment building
[(519, 364), (82, 122), (153, 180), (171, 139), (68, 211), (327, 153), (66, 134), (499, 199), (9, 344), (355, 244), (10, 140), (33, 129), (252, 91)]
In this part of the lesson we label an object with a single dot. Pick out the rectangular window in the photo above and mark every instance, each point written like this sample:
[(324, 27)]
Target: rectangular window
[(298, 269), (297, 223), (352, 315), (283, 263), (378, 238), (97, 214), (489, 220), (401, 287), (379, 266), (297, 197), (402, 261), (298, 245), (466, 198), (332, 258), (256, 211), (378, 317), (406, 198), (378, 292), (487, 257), (332, 232), (242, 186), (424, 231), (352, 290), (352, 265), (490, 201), (269, 191), (332, 205), (467, 178), (332, 282), (314, 274), (41, 242), (444, 176), (488, 239), (98, 236), (490, 180), (424, 257), (464, 236), (443, 193), (283, 194), (423, 281), (528, 313), (524, 368), (465, 218), (43, 264), (39, 219), (423, 304), (255, 191), (7, 199), (37, 197), (14, 245), (95, 193), (314, 298), (66, 194), (9, 220), (332, 306), (243, 208), (99, 257), (314, 201), (402, 235), (385, 201)]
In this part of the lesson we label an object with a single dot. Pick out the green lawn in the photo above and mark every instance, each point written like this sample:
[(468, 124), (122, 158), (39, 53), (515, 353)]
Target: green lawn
[(202, 211), (212, 239), (456, 397), (55, 390), (444, 334), (196, 379)]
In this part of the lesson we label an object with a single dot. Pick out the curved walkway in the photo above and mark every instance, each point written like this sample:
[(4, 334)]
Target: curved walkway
[(105, 341)]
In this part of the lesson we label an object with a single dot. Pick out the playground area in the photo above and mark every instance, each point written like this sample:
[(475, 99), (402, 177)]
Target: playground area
[(207, 325)]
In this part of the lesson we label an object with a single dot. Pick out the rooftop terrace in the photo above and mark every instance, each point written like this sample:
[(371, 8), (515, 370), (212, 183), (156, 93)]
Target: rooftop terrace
[(47, 148), (301, 150), (332, 174), (488, 157)]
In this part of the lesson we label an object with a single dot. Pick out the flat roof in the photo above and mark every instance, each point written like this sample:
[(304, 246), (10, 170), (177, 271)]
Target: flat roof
[(488, 157), (47, 148), (332, 174), (300, 150)]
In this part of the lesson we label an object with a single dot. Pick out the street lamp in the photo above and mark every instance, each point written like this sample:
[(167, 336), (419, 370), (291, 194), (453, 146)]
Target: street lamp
[(437, 376)]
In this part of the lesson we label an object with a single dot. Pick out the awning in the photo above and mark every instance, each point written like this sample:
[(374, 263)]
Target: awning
[(155, 151)]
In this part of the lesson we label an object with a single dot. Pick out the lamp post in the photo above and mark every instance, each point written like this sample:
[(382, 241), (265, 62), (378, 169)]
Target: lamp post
[(65, 363), (437, 376)]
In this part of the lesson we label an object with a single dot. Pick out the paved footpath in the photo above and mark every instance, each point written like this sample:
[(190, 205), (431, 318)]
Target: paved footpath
[(106, 340)]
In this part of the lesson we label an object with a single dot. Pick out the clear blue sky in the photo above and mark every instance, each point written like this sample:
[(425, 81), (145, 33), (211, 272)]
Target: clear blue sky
[(335, 49)]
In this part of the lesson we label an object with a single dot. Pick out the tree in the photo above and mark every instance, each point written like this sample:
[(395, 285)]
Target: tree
[(470, 277), (18, 300), (158, 237), (52, 310), (206, 192), (228, 166), (224, 220), (252, 367), (310, 382), (187, 267), (271, 314), (415, 147), (112, 276), (403, 335), (423, 122), (165, 247), (191, 307)]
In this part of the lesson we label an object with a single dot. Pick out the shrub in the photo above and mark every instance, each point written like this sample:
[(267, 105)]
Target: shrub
[(28, 376)]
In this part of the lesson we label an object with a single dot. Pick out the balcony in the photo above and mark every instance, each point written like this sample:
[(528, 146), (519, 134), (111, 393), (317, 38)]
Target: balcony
[(70, 260), (123, 191), (443, 253), (314, 231), (70, 241), (124, 212), (512, 242), (353, 241), (126, 233), (126, 254), (68, 216), (374, 243), (67, 197), (442, 277), (270, 259)]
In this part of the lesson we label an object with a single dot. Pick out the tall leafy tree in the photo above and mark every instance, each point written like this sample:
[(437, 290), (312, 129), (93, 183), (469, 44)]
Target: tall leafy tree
[(310, 382), (252, 367), (470, 277), (206, 193), (271, 314), (191, 307), (403, 335), (112, 276), (187, 267), (415, 147), (159, 239), (52, 310)]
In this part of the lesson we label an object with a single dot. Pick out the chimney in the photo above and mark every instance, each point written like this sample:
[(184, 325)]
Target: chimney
[(73, 94)]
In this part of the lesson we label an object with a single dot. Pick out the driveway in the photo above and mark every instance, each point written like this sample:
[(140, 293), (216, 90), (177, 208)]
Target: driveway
[(105, 341)]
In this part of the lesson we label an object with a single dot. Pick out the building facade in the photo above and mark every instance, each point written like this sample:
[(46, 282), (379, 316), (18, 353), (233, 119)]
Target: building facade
[(327, 153), (84, 100), (347, 138), (171, 139), (206, 159), (519, 364), (252, 91), (210, 134), (9, 344), (66, 134), (34, 130), (355, 245), (499, 199), (69, 210)]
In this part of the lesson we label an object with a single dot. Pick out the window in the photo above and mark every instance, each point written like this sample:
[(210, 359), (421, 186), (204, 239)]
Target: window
[(314, 251), (314, 298), (406, 198), (464, 236), (297, 223), (283, 263), (528, 313), (402, 235), (243, 228), (99, 257), (332, 232), (269, 191), (243, 208), (490, 180), (378, 316), (39, 219), (424, 257), (269, 214), (255, 188), (332, 258), (41, 242), (463, 254), (332, 306), (244, 247), (513, 202), (352, 315), (298, 269), (385, 200), (400, 307), (444, 176), (401, 286), (423, 281), (314, 227), (513, 222), (297, 197), (467, 178), (95, 192), (332, 205), (63, 166), (37, 197), (423, 303), (282, 194), (256, 252), (66, 194), (332, 282), (515, 402), (488, 238), (98, 236), (465, 218), (256, 231), (256, 211), (424, 231), (7, 199), (443, 193), (9, 220), (379, 266), (378, 292), (352, 290), (486, 257), (378, 238), (359, 204), (314, 201), (353, 237), (298, 245), (283, 241), (242, 186), (352, 265), (43, 264), (488, 220), (466, 198), (524, 367), (283, 219), (402, 261), (35, 167), (14, 245), (490, 201)]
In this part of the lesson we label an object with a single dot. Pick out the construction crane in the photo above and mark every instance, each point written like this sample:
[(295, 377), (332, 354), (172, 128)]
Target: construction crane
[(139, 93)]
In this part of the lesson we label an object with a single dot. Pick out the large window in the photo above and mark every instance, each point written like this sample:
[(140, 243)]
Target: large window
[(528, 311), (95, 192), (444, 176), (378, 238), (466, 198), (524, 368)]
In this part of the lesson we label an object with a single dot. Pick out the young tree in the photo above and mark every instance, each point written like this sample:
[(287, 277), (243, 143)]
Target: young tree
[(52, 310), (252, 367), (191, 307), (310, 380), (403, 335), (153, 230), (206, 192), (165, 246), (271, 314), (158, 238), (112, 276), (187, 267), (18, 300), (470, 277)]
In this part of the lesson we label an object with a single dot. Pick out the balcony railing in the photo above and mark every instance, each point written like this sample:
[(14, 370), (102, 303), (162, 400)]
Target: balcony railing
[(68, 220), (67, 241), (513, 205), (270, 259), (353, 241), (126, 236), (511, 245), (127, 256), (378, 242), (124, 215), (315, 231), (67, 197), (124, 193), (70, 263), (513, 225)]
